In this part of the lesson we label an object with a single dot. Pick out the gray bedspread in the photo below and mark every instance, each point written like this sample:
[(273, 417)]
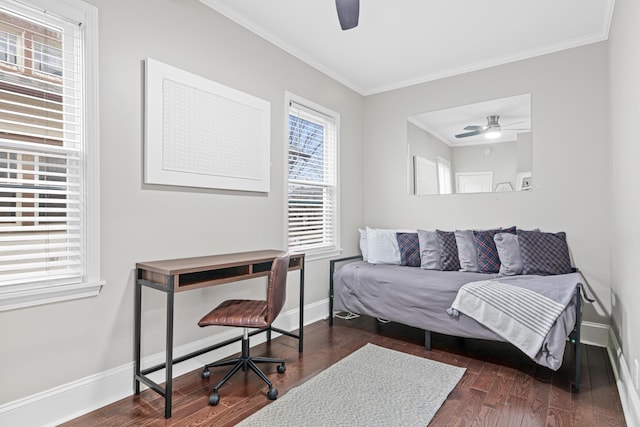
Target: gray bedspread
[(420, 298)]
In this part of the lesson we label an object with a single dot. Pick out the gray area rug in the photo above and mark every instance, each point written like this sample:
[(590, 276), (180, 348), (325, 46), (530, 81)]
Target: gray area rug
[(373, 386)]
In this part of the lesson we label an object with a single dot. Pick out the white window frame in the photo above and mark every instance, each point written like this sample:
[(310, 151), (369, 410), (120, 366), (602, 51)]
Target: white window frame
[(327, 251), (7, 40), (26, 295), (444, 176)]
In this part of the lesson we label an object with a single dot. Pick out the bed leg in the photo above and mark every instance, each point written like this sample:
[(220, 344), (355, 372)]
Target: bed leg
[(578, 360), (427, 340), (332, 269)]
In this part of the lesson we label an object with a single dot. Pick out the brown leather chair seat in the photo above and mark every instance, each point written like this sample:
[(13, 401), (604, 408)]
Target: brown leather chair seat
[(250, 314)]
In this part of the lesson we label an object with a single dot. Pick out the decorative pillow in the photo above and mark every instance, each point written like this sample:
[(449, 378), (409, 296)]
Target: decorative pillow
[(509, 254), (449, 251), (363, 243), (382, 246), (544, 254), (488, 259), (409, 249), (467, 253), (430, 252)]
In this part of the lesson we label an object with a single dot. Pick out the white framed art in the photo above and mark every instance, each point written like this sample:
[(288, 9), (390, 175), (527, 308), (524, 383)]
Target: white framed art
[(200, 133)]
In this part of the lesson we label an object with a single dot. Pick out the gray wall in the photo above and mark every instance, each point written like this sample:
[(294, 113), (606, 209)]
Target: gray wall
[(501, 160), (570, 158), (422, 143), (44, 347), (625, 200)]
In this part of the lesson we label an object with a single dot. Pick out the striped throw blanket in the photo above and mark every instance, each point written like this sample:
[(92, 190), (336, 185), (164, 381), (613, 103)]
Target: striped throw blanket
[(519, 315)]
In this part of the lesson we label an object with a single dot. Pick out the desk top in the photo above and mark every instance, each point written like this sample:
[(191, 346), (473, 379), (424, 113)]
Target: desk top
[(190, 272)]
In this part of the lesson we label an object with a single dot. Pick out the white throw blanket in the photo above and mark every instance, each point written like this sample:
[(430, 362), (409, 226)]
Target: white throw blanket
[(519, 315)]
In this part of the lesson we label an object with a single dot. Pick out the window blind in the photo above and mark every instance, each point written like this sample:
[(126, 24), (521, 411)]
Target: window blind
[(41, 148), (312, 180)]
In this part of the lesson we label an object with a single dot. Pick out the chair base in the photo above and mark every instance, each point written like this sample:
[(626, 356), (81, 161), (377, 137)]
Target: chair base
[(244, 361)]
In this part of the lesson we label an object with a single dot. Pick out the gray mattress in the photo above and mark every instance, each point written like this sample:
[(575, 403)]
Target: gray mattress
[(420, 298)]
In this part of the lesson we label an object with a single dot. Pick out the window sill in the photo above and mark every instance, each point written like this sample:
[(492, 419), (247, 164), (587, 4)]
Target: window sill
[(11, 300), (318, 254)]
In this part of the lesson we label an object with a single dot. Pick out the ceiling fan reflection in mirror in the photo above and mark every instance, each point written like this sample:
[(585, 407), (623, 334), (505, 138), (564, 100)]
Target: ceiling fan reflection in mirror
[(491, 130), (348, 12)]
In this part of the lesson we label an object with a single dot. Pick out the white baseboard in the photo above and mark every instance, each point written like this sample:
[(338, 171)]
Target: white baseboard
[(71, 400), (596, 334), (66, 402), (628, 395)]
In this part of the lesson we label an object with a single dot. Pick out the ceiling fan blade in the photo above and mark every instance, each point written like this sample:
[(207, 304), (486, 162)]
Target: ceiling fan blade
[(514, 123), (474, 127), (472, 133), (348, 13)]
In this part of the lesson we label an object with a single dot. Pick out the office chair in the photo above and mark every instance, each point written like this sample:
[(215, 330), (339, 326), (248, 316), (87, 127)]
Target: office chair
[(250, 314)]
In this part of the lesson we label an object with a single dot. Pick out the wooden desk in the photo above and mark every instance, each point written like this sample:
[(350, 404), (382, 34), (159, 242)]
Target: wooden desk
[(177, 275)]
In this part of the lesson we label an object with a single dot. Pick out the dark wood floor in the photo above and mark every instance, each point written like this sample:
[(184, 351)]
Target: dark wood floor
[(501, 386)]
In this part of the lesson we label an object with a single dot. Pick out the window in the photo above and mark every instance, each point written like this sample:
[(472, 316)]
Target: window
[(444, 175), (47, 59), (8, 48), (49, 223), (312, 178)]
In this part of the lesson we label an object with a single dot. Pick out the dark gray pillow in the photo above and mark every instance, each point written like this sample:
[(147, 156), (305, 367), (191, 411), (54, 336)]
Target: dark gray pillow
[(467, 254), (544, 254), (429, 250), (449, 255), (488, 259), (409, 245)]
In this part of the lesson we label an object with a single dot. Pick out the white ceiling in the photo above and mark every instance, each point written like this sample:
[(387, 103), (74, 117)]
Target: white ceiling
[(403, 42)]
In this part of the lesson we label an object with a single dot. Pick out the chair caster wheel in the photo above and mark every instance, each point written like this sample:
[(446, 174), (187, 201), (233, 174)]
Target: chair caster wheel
[(281, 369), (205, 374), (214, 399), (272, 394)]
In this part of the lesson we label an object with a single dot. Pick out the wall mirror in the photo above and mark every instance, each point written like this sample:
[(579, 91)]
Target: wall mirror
[(476, 148)]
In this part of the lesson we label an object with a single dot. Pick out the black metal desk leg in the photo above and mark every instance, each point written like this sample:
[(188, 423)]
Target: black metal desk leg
[(332, 266), (169, 344), (138, 328), (301, 329)]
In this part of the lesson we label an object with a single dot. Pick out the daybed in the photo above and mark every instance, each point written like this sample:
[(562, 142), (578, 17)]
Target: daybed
[(432, 300)]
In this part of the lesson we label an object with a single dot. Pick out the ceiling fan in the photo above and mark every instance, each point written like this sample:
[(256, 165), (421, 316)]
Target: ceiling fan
[(491, 130), (348, 12)]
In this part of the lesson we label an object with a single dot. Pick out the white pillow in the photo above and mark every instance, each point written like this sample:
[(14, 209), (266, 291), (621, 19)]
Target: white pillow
[(382, 246), (363, 243)]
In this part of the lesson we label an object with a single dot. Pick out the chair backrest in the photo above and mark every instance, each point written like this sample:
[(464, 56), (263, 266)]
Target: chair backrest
[(277, 288)]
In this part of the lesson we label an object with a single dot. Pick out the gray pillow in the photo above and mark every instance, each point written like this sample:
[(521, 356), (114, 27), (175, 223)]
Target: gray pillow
[(429, 250), (509, 253), (467, 253)]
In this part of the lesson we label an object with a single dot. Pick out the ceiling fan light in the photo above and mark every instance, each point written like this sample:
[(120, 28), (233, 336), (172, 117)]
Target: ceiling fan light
[(492, 134)]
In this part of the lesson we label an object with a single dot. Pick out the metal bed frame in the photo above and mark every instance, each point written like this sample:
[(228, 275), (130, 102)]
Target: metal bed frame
[(574, 335)]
